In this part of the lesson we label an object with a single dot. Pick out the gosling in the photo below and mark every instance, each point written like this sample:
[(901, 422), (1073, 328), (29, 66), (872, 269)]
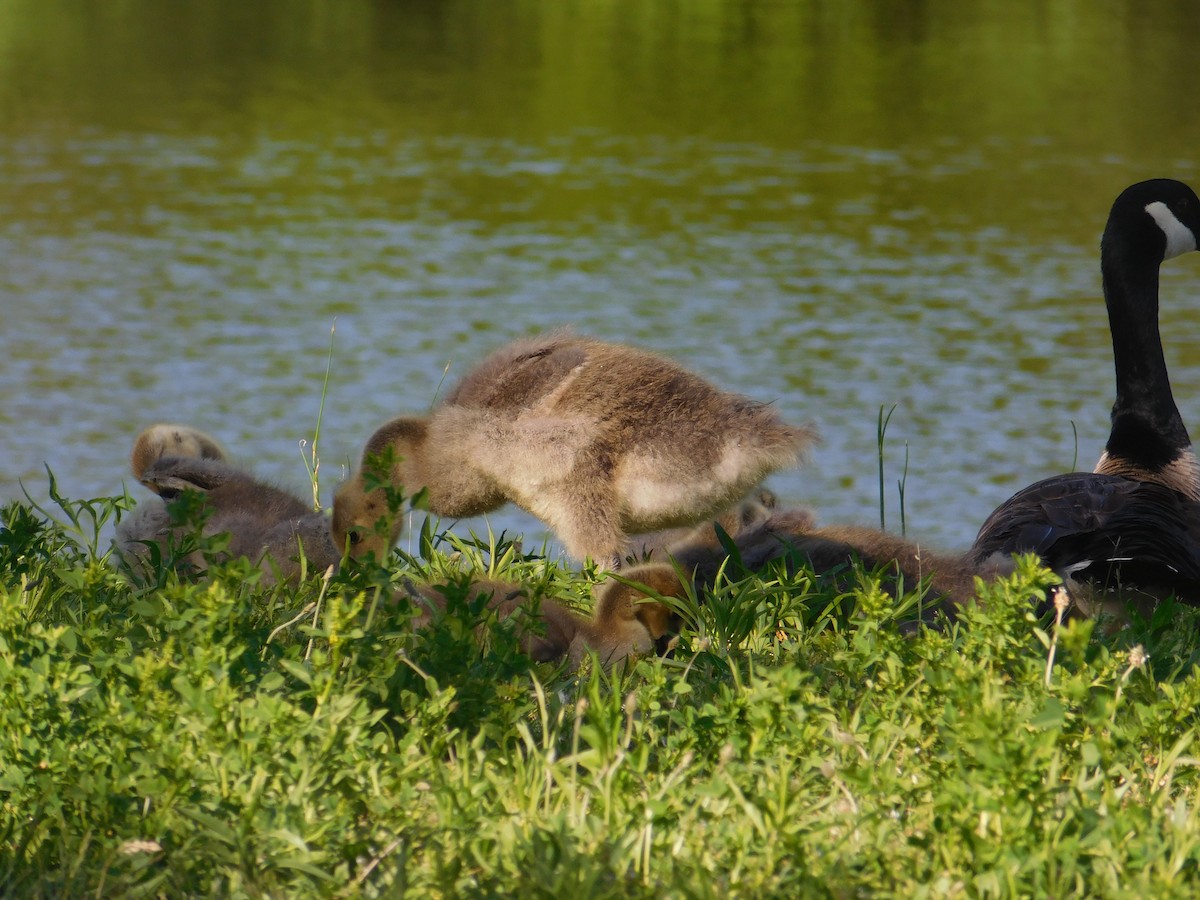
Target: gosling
[(545, 628), (599, 440), (629, 621), (266, 524), (163, 439)]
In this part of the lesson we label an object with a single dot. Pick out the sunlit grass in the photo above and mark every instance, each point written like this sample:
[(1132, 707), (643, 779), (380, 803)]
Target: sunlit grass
[(167, 738)]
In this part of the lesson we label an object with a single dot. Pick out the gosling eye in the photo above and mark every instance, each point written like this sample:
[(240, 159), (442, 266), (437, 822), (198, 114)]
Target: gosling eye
[(355, 536)]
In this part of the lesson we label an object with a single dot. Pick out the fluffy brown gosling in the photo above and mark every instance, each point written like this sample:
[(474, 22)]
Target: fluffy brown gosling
[(599, 440), (266, 524)]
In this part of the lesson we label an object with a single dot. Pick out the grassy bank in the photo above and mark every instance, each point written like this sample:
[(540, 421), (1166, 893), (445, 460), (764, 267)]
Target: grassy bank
[(222, 738)]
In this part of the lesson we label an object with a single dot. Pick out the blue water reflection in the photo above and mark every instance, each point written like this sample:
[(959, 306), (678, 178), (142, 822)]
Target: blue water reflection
[(179, 236)]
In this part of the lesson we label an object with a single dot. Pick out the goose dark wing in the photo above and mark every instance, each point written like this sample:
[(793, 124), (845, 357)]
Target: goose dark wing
[(1102, 528)]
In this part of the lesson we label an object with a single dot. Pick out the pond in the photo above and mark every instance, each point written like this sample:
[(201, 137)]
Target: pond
[(841, 208)]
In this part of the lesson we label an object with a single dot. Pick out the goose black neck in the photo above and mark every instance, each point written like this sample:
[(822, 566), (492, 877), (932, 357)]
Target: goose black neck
[(1147, 429)]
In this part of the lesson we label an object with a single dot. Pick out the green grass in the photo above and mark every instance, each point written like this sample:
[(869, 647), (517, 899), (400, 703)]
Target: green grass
[(170, 739)]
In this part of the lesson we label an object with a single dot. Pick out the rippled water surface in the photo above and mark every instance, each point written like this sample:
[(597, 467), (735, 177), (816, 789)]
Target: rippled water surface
[(840, 208)]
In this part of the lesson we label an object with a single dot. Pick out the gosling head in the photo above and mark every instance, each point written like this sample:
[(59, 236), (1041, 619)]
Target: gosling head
[(163, 439), (366, 509), (627, 621), (364, 521)]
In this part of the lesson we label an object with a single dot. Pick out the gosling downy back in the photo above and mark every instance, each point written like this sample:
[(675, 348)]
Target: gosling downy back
[(599, 440)]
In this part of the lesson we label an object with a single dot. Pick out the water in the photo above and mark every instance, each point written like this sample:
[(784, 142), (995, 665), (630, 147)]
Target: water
[(839, 208)]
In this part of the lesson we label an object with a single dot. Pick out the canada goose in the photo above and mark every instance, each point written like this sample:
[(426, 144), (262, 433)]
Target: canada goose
[(599, 440), (1134, 520), (625, 622), (267, 525), (1109, 537)]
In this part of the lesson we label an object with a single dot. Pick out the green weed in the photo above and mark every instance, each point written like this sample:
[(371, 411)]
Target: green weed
[(167, 737)]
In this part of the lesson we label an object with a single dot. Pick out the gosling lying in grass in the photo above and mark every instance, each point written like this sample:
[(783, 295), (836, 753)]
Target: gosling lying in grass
[(627, 621), (267, 525), (546, 627), (599, 440), (552, 630)]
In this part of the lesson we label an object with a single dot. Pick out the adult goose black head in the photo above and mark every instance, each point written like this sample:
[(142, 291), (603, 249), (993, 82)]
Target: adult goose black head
[(1150, 222), (1135, 519)]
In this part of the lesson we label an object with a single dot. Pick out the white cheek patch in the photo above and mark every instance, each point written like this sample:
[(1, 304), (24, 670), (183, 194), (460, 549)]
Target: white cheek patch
[(1179, 237)]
